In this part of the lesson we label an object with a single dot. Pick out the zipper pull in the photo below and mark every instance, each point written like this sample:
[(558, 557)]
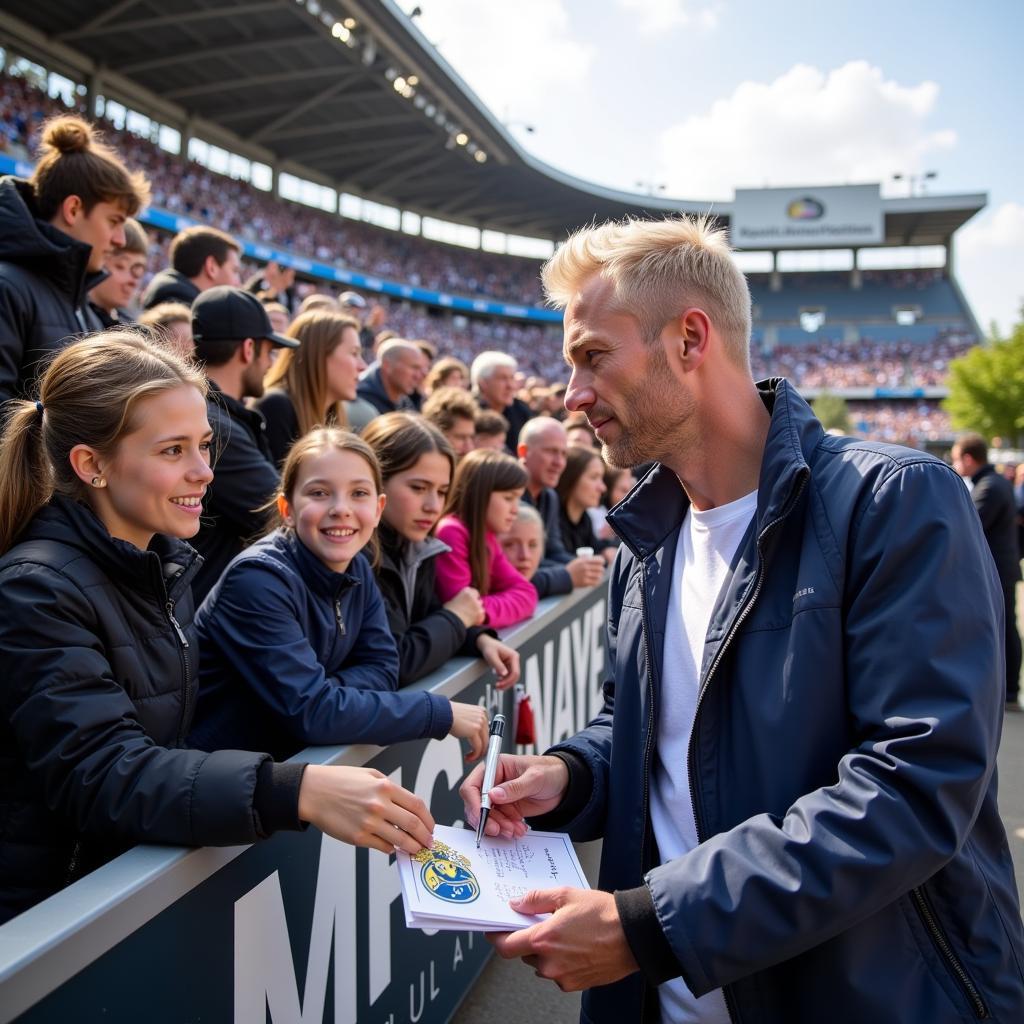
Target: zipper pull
[(177, 626), (338, 618)]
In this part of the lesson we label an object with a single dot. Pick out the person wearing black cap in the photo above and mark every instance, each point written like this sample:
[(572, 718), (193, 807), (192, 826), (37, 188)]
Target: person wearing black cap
[(236, 344)]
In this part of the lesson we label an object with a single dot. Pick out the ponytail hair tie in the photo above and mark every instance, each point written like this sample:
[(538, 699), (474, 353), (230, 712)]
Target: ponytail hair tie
[(39, 408)]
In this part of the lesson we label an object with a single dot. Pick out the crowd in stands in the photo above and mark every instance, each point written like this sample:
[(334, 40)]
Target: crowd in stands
[(863, 364), (187, 188)]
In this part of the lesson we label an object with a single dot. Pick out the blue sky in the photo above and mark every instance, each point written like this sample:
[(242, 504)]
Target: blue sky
[(707, 95)]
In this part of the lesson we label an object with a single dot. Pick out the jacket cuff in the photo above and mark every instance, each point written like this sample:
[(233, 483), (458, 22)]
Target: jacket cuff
[(276, 798), (439, 716), (577, 793), (647, 941), (552, 580)]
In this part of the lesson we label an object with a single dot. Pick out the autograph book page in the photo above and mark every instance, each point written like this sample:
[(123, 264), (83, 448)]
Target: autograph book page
[(456, 887)]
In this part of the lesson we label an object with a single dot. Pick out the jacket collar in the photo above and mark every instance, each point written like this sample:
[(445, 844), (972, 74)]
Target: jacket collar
[(164, 569), (314, 573), (657, 504), (31, 242), (396, 550)]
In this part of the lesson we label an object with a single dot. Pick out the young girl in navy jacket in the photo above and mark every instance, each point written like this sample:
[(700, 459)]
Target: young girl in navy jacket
[(294, 638)]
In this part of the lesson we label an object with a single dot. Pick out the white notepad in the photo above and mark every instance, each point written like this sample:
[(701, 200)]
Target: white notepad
[(456, 887)]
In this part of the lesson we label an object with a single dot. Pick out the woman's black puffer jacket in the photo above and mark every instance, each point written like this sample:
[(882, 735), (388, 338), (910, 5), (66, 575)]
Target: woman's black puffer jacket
[(98, 670)]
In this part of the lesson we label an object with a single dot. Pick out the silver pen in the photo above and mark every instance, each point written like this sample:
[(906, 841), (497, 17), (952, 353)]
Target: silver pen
[(490, 769)]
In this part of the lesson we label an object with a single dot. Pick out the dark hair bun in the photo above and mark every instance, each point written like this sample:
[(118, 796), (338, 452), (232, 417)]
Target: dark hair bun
[(67, 134)]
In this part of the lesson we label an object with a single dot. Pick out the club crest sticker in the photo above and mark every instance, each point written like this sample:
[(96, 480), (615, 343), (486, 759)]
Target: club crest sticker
[(446, 873)]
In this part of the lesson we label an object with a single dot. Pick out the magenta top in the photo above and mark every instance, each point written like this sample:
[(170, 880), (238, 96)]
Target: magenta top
[(512, 597)]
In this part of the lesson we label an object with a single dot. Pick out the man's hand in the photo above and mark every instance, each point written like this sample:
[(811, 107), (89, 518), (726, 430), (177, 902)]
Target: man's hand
[(524, 785), (587, 570), (581, 945)]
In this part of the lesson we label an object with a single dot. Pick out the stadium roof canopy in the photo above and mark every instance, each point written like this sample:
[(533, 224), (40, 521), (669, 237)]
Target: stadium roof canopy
[(350, 94)]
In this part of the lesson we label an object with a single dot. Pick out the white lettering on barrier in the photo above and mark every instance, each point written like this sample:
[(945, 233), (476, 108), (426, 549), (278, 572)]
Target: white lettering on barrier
[(385, 887), (264, 970)]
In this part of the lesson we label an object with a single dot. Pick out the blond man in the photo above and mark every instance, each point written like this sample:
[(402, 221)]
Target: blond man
[(793, 771)]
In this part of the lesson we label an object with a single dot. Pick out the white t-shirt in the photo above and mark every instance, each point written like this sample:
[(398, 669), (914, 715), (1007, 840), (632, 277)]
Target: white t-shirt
[(708, 542)]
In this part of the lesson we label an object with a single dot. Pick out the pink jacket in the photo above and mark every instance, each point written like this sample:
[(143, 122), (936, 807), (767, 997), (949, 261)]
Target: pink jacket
[(512, 597)]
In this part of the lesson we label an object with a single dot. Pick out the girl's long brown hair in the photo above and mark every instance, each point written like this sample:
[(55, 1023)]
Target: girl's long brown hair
[(88, 395), (576, 462), (479, 475), (302, 371)]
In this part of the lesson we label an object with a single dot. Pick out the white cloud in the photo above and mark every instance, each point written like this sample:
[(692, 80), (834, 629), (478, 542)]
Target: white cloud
[(664, 15), (990, 264), (805, 128), (516, 56)]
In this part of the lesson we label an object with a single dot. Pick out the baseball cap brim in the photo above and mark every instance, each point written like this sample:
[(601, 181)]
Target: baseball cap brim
[(280, 340)]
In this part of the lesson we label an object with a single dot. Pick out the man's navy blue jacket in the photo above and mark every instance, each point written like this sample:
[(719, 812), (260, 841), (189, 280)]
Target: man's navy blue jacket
[(293, 654), (852, 866)]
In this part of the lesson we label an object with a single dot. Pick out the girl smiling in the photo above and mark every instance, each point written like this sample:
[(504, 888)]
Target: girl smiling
[(417, 464), (295, 643)]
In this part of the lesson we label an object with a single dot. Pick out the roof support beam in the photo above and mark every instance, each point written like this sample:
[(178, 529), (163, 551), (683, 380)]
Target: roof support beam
[(383, 186), (297, 110), (104, 16), (348, 148), (218, 52), (93, 29), (362, 122), (251, 81)]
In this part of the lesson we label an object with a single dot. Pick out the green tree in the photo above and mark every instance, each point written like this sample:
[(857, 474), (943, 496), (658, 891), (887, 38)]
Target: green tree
[(832, 412), (986, 388)]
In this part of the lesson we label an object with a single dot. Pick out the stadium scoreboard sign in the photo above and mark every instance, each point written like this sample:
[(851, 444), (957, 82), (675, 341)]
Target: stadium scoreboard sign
[(800, 218)]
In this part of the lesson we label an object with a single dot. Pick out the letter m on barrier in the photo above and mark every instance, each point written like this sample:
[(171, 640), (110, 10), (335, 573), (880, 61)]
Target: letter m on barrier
[(265, 981)]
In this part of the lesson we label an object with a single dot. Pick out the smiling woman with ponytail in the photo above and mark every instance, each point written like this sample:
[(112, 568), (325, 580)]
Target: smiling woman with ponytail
[(103, 482)]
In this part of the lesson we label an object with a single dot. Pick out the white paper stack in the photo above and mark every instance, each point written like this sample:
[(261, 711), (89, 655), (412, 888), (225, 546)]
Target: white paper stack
[(457, 887)]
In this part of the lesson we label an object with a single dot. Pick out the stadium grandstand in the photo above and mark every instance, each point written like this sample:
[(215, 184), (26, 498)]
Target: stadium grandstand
[(333, 138)]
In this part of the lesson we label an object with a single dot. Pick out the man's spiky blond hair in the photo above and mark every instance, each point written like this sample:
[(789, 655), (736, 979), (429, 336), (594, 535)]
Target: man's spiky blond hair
[(658, 268)]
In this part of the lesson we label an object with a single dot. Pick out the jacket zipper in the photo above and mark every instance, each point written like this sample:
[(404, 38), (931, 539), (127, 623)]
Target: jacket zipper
[(941, 943), (730, 1004), (183, 651), (648, 749), (338, 618), (73, 862)]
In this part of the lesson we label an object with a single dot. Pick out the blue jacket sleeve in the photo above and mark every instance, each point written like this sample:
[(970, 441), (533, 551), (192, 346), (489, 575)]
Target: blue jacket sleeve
[(256, 626), (924, 681)]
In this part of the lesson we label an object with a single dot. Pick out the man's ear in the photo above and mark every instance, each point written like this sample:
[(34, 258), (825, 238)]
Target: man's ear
[(211, 266), (248, 351), (686, 339), (71, 208), (521, 450)]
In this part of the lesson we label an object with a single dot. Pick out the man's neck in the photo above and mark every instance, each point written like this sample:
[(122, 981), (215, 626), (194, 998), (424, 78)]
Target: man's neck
[(534, 488), (721, 457), (228, 379), (394, 395)]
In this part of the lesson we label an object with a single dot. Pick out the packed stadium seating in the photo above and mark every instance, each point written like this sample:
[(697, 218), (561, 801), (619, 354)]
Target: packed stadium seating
[(858, 345)]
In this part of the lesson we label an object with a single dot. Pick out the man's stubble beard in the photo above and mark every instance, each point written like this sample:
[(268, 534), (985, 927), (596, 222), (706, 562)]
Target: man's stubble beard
[(662, 419)]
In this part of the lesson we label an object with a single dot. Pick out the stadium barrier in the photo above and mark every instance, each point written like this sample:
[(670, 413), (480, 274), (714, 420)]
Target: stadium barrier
[(299, 926), (329, 273)]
